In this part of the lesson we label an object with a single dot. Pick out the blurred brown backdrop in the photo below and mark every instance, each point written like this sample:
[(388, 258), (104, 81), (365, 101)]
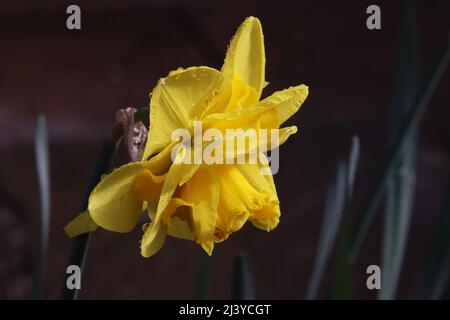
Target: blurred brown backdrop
[(78, 79)]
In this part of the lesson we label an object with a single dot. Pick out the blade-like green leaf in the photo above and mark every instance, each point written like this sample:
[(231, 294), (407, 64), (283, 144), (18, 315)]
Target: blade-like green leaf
[(204, 277), (352, 166), (332, 217), (407, 128), (338, 197), (400, 184), (341, 287), (242, 280), (43, 173)]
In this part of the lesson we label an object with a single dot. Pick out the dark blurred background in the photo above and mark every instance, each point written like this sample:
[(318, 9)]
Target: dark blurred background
[(78, 79)]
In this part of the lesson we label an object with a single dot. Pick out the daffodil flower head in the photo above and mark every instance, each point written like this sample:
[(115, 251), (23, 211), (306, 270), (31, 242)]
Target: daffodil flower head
[(192, 200)]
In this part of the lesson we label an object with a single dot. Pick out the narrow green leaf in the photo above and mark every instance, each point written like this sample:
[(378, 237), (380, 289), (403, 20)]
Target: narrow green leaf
[(204, 277), (242, 280), (43, 173), (332, 217), (407, 128), (342, 281), (400, 185), (338, 197), (341, 287), (352, 166)]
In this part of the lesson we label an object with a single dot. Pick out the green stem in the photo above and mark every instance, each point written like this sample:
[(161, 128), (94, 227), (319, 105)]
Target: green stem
[(81, 242), (243, 288), (204, 277), (43, 172)]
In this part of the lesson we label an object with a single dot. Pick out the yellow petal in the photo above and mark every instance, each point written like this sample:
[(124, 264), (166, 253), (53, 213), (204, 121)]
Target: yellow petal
[(175, 205), (287, 102), (261, 182), (208, 246), (147, 186), (245, 55), (180, 227), (202, 191), (161, 162), (241, 95), (243, 145), (154, 236), (159, 237), (268, 216), (267, 114), (243, 118), (192, 214), (81, 224), (256, 195), (177, 175), (112, 204), (237, 199), (155, 233), (176, 101)]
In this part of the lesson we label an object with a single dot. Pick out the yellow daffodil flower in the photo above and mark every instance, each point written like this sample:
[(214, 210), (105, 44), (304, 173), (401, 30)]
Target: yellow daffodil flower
[(197, 201)]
